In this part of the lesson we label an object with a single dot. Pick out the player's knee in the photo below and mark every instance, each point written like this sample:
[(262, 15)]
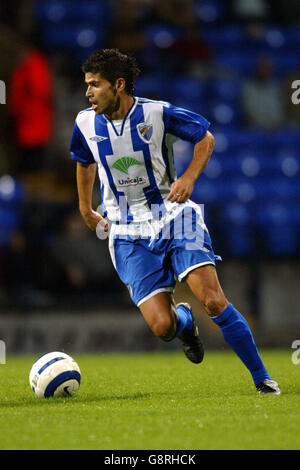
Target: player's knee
[(214, 303), (164, 328)]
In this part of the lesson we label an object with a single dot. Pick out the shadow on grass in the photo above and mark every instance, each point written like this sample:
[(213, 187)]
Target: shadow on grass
[(86, 398), (80, 398)]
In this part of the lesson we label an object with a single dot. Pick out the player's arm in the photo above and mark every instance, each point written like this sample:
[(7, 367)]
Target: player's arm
[(85, 177), (184, 185)]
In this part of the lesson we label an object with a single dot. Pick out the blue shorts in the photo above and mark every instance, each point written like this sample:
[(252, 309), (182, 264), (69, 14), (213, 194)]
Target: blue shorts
[(148, 265)]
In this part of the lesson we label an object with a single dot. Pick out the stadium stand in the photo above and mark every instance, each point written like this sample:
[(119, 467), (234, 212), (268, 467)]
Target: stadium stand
[(252, 182)]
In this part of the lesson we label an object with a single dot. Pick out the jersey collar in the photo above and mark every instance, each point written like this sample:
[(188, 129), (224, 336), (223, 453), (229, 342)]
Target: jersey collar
[(129, 112)]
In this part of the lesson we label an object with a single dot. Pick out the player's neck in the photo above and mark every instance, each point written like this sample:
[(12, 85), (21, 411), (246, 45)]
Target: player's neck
[(126, 102)]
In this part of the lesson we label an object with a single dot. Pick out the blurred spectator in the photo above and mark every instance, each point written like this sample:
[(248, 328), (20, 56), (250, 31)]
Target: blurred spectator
[(75, 252), (192, 56), (31, 107), (287, 12), (126, 31), (8, 39), (20, 279), (12, 199), (18, 16), (18, 267), (175, 12), (182, 49), (17, 253), (251, 10), (262, 98)]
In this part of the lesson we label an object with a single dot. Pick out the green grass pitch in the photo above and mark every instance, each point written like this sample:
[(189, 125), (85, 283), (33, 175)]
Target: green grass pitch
[(154, 401)]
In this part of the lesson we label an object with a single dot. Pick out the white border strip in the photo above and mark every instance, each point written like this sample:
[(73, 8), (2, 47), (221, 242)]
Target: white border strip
[(191, 268), (157, 291)]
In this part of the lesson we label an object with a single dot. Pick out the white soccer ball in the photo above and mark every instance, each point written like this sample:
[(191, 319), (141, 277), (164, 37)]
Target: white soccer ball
[(55, 374)]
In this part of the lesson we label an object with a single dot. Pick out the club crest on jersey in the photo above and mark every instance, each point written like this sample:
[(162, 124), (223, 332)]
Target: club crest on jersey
[(98, 138), (145, 131)]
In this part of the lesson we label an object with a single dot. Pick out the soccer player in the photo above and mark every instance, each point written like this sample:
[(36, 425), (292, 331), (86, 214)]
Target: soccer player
[(157, 234)]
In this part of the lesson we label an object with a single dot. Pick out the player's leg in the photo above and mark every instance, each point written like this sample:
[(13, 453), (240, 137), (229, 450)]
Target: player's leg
[(159, 312), (205, 285), (150, 282), (168, 322)]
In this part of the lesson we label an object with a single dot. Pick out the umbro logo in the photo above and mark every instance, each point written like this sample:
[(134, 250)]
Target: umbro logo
[(98, 138)]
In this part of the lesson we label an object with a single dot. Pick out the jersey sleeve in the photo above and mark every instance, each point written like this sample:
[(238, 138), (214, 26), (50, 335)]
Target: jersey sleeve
[(79, 148), (185, 124)]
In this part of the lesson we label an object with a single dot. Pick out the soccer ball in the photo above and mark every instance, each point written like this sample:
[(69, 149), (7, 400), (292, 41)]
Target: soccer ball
[(54, 374)]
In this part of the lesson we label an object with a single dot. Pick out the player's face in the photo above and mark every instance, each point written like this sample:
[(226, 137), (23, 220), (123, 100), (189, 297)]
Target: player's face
[(101, 94)]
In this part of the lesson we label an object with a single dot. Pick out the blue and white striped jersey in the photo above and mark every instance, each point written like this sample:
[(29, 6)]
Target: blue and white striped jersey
[(135, 157)]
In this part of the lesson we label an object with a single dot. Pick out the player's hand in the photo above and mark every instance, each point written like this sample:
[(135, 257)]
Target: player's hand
[(181, 190), (93, 219)]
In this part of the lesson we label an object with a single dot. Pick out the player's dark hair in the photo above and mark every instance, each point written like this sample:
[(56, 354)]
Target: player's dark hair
[(113, 64)]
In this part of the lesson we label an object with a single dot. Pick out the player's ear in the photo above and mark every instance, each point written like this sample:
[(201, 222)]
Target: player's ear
[(120, 84)]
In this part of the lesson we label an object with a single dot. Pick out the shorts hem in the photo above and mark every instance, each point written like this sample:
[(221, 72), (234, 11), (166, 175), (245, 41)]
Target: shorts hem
[(182, 275), (157, 291)]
